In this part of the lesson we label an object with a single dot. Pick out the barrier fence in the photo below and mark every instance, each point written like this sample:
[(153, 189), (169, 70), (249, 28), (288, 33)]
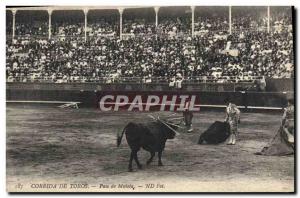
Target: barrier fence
[(199, 83), (89, 94)]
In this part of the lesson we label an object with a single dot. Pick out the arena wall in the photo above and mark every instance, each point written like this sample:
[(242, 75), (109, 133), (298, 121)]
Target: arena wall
[(273, 85), (89, 94), (283, 84)]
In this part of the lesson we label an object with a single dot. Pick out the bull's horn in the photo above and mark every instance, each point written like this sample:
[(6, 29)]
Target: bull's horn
[(175, 125), (172, 114), (169, 127), (174, 118), (151, 116)]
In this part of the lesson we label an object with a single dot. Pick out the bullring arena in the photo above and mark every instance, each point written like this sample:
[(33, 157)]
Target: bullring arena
[(51, 145), (71, 57)]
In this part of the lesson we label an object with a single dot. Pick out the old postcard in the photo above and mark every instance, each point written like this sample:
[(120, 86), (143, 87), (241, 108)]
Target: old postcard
[(150, 99)]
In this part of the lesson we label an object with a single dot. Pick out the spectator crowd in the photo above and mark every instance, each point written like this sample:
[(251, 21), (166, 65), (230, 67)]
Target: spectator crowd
[(167, 52)]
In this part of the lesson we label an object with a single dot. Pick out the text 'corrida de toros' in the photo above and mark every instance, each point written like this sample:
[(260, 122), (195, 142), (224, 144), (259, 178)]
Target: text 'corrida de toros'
[(149, 103)]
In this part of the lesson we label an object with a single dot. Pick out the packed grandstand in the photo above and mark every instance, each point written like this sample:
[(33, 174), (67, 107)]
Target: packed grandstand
[(222, 44)]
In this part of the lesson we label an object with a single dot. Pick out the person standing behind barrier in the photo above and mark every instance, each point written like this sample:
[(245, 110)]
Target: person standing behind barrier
[(262, 84), (233, 119), (178, 82)]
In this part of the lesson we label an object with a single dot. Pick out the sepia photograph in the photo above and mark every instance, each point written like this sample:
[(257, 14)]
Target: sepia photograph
[(150, 99)]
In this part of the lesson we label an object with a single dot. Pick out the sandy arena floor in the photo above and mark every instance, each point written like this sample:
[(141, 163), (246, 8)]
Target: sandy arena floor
[(49, 145)]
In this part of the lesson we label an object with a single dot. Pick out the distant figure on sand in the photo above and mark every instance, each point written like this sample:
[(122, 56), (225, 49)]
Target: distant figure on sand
[(188, 117)]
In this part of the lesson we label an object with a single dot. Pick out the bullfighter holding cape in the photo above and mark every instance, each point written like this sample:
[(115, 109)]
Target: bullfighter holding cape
[(233, 119)]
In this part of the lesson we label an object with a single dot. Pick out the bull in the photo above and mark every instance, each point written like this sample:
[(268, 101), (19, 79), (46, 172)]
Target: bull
[(150, 136)]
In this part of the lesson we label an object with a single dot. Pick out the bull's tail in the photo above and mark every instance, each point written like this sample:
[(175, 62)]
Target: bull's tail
[(119, 137)]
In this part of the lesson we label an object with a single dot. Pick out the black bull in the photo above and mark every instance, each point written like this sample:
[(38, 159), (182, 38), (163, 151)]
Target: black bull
[(150, 136)]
